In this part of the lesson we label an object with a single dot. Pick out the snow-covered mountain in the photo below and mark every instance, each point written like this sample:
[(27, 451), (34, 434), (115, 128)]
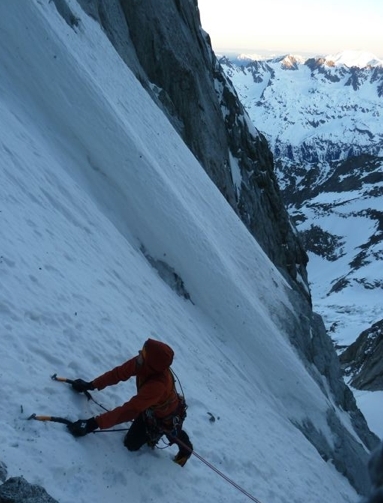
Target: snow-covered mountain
[(323, 118), (104, 213), (352, 59), (314, 110)]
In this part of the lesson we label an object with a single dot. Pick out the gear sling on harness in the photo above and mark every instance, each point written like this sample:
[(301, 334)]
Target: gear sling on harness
[(171, 424)]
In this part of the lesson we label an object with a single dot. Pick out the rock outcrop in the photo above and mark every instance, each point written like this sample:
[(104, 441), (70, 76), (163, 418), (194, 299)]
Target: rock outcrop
[(375, 467), (363, 360), (18, 490)]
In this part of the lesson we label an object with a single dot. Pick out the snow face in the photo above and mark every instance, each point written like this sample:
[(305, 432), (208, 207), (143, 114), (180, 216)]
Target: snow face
[(91, 171)]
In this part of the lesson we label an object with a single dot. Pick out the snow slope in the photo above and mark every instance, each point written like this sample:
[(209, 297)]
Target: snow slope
[(91, 171)]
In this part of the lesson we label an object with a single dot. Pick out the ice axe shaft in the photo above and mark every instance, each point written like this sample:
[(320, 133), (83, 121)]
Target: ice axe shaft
[(53, 419), (70, 381), (61, 379), (86, 393)]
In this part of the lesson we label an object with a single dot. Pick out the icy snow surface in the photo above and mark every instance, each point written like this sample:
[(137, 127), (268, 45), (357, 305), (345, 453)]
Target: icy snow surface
[(91, 171)]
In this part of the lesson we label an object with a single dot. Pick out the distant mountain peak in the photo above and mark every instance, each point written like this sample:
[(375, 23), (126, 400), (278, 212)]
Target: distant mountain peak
[(359, 59), (250, 57), (291, 62), (348, 58)]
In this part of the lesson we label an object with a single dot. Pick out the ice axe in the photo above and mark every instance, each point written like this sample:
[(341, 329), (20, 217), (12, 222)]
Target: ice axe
[(70, 381), (86, 393), (53, 419)]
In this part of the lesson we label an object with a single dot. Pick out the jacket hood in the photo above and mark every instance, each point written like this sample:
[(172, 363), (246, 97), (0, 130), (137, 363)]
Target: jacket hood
[(159, 356)]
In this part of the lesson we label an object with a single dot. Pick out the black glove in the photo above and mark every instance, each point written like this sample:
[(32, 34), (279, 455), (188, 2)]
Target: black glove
[(80, 385), (82, 427)]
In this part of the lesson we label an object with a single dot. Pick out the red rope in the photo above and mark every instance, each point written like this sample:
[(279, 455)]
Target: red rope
[(243, 491), (221, 474)]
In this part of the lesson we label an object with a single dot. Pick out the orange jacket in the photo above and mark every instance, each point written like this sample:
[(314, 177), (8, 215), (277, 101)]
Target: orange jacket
[(154, 382)]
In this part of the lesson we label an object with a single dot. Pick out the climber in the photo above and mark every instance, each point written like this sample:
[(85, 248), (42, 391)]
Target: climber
[(156, 410)]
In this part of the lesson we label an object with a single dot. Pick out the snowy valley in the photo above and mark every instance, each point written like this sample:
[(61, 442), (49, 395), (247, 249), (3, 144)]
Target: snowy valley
[(323, 119), (99, 196)]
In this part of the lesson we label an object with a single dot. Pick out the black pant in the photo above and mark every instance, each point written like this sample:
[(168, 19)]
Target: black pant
[(138, 435)]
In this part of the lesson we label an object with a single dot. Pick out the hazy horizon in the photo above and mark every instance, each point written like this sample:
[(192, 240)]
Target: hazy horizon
[(233, 54), (307, 28)]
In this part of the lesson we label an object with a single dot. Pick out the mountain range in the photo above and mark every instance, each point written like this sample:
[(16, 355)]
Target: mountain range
[(323, 120), (139, 200), (316, 110)]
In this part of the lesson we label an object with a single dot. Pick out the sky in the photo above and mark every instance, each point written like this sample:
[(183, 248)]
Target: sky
[(306, 27), (80, 194)]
